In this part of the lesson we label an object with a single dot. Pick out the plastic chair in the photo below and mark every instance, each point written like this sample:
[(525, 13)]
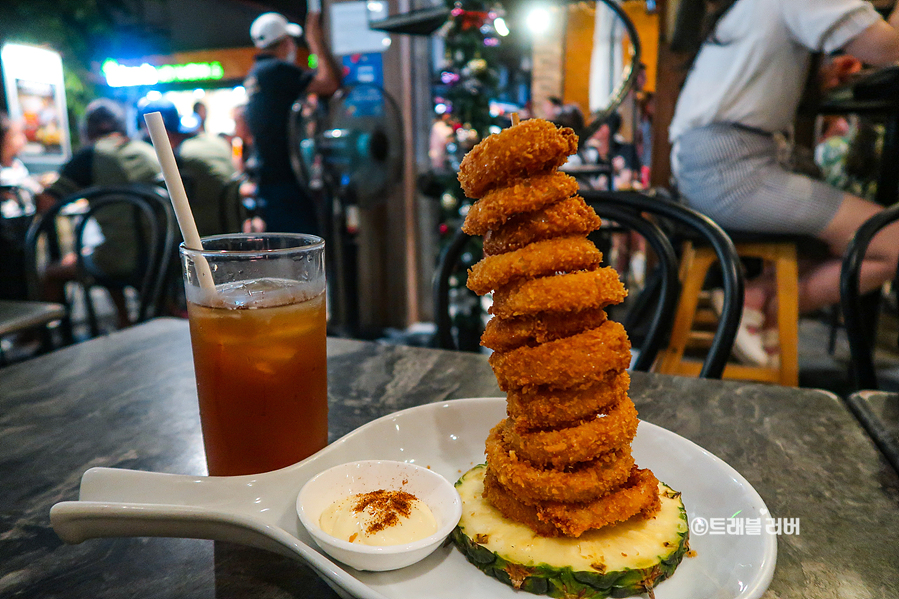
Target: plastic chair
[(860, 312), (664, 291), (146, 212)]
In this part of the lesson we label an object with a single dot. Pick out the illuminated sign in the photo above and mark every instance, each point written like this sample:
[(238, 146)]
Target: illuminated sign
[(119, 75)]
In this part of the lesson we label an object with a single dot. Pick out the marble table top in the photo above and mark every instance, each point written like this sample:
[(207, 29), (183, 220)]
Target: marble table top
[(878, 411), (128, 400)]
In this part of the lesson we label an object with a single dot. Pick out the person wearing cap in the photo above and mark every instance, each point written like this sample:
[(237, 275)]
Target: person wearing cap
[(109, 158), (274, 83), (204, 161)]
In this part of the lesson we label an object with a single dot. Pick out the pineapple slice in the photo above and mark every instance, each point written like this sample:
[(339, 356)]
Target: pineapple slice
[(626, 559)]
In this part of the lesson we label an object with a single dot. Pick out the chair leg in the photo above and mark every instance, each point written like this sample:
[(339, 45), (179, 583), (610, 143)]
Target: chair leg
[(694, 268), (788, 314), (91, 311), (834, 313)]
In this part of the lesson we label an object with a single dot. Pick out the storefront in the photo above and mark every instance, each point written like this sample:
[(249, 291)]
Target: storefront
[(213, 77)]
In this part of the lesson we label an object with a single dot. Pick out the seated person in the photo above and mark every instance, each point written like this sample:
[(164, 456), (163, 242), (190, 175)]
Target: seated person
[(744, 87), (13, 172), (17, 189), (207, 170), (110, 158)]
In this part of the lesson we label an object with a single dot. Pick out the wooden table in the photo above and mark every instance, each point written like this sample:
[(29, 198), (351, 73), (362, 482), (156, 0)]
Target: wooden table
[(128, 400), (17, 316)]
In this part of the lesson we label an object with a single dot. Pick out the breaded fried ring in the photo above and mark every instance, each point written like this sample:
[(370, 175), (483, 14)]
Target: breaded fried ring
[(562, 254), (584, 482), (611, 429), (568, 217), (520, 195), (565, 362), (540, 406), (503, 334), (639, 495), (559, 293), (531, 146)]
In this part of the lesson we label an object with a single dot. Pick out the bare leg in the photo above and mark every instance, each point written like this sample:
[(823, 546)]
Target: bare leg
[(117, 295), (54, 278), (820, 285)]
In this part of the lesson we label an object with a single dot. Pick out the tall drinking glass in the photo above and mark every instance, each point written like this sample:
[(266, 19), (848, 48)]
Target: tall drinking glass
[(259, 349)]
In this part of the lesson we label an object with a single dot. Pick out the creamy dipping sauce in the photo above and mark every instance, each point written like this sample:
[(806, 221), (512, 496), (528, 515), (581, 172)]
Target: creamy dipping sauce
[(379, 518)]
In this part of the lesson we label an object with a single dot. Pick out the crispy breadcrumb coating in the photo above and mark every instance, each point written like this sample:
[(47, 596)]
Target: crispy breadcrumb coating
[(585, 482), (562, 254), (559, 293), (529, 147), (568, 217), (610, 429), (520, 195)]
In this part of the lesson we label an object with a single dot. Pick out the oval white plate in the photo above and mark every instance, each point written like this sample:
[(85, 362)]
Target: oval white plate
[(447, 437)]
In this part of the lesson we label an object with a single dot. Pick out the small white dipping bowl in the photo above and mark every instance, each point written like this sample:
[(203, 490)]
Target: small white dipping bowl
[(347, 480)]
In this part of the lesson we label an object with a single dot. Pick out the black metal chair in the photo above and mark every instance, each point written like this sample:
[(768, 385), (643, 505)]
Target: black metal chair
[(144, 212), (860, 311), (679, 218), (16, 213), (459, 327), (457, 310)]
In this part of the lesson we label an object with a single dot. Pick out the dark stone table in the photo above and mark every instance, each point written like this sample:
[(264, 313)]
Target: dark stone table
[(129, 401), (878, 411)]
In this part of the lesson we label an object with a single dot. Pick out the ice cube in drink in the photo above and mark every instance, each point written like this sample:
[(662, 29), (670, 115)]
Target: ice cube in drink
[(260, 357)]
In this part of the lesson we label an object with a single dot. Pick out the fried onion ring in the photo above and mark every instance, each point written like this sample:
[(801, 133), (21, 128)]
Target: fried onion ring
[(529, 147), (583, 482), (565, 362), (568, 217), (542, 258), (543, 407), (559, 293), (520, 195), (639, 495), (561, 447), (503, 334)]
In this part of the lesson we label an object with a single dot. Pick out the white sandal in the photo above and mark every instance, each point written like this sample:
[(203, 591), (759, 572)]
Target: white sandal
[(748, 347)]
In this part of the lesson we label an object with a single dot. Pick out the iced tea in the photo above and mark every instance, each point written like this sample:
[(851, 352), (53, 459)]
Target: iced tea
[(259, 352)]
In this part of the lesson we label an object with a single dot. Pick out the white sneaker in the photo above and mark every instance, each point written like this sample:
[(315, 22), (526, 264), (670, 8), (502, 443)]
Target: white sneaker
[(771, 343), (748, 347)]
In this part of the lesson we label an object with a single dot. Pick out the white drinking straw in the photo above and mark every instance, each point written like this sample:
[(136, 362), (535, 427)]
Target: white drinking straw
[(175, 186)]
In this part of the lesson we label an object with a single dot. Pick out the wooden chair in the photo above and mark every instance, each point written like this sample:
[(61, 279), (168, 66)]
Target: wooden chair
[(696, 261)]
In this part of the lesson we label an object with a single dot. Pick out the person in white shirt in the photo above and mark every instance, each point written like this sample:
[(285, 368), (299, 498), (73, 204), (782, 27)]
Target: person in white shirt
[(744, 87)]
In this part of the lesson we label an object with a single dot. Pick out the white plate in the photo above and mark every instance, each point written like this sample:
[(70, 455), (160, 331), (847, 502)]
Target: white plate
[(447, 437)]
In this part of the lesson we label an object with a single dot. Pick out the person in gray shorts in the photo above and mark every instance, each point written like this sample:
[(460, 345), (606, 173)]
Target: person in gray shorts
[(744, 87)]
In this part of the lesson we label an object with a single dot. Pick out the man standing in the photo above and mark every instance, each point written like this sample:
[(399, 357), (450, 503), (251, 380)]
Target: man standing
[(274, 83)]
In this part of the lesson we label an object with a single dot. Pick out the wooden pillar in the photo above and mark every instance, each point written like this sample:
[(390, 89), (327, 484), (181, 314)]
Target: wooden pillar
[(669, 80)]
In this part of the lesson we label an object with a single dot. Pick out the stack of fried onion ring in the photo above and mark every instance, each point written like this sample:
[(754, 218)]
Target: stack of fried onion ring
[(561, 462)]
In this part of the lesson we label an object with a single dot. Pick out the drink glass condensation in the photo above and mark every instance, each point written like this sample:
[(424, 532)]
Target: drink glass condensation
[(259, 348)]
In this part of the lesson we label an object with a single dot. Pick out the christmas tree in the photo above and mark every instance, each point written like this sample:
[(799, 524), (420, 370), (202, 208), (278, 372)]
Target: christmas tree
[(468, 81)]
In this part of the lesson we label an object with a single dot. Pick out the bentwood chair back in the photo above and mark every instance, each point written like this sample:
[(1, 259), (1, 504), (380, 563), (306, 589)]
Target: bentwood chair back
[(461, 315), (145, 228), (859, 312), (680, 218)]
